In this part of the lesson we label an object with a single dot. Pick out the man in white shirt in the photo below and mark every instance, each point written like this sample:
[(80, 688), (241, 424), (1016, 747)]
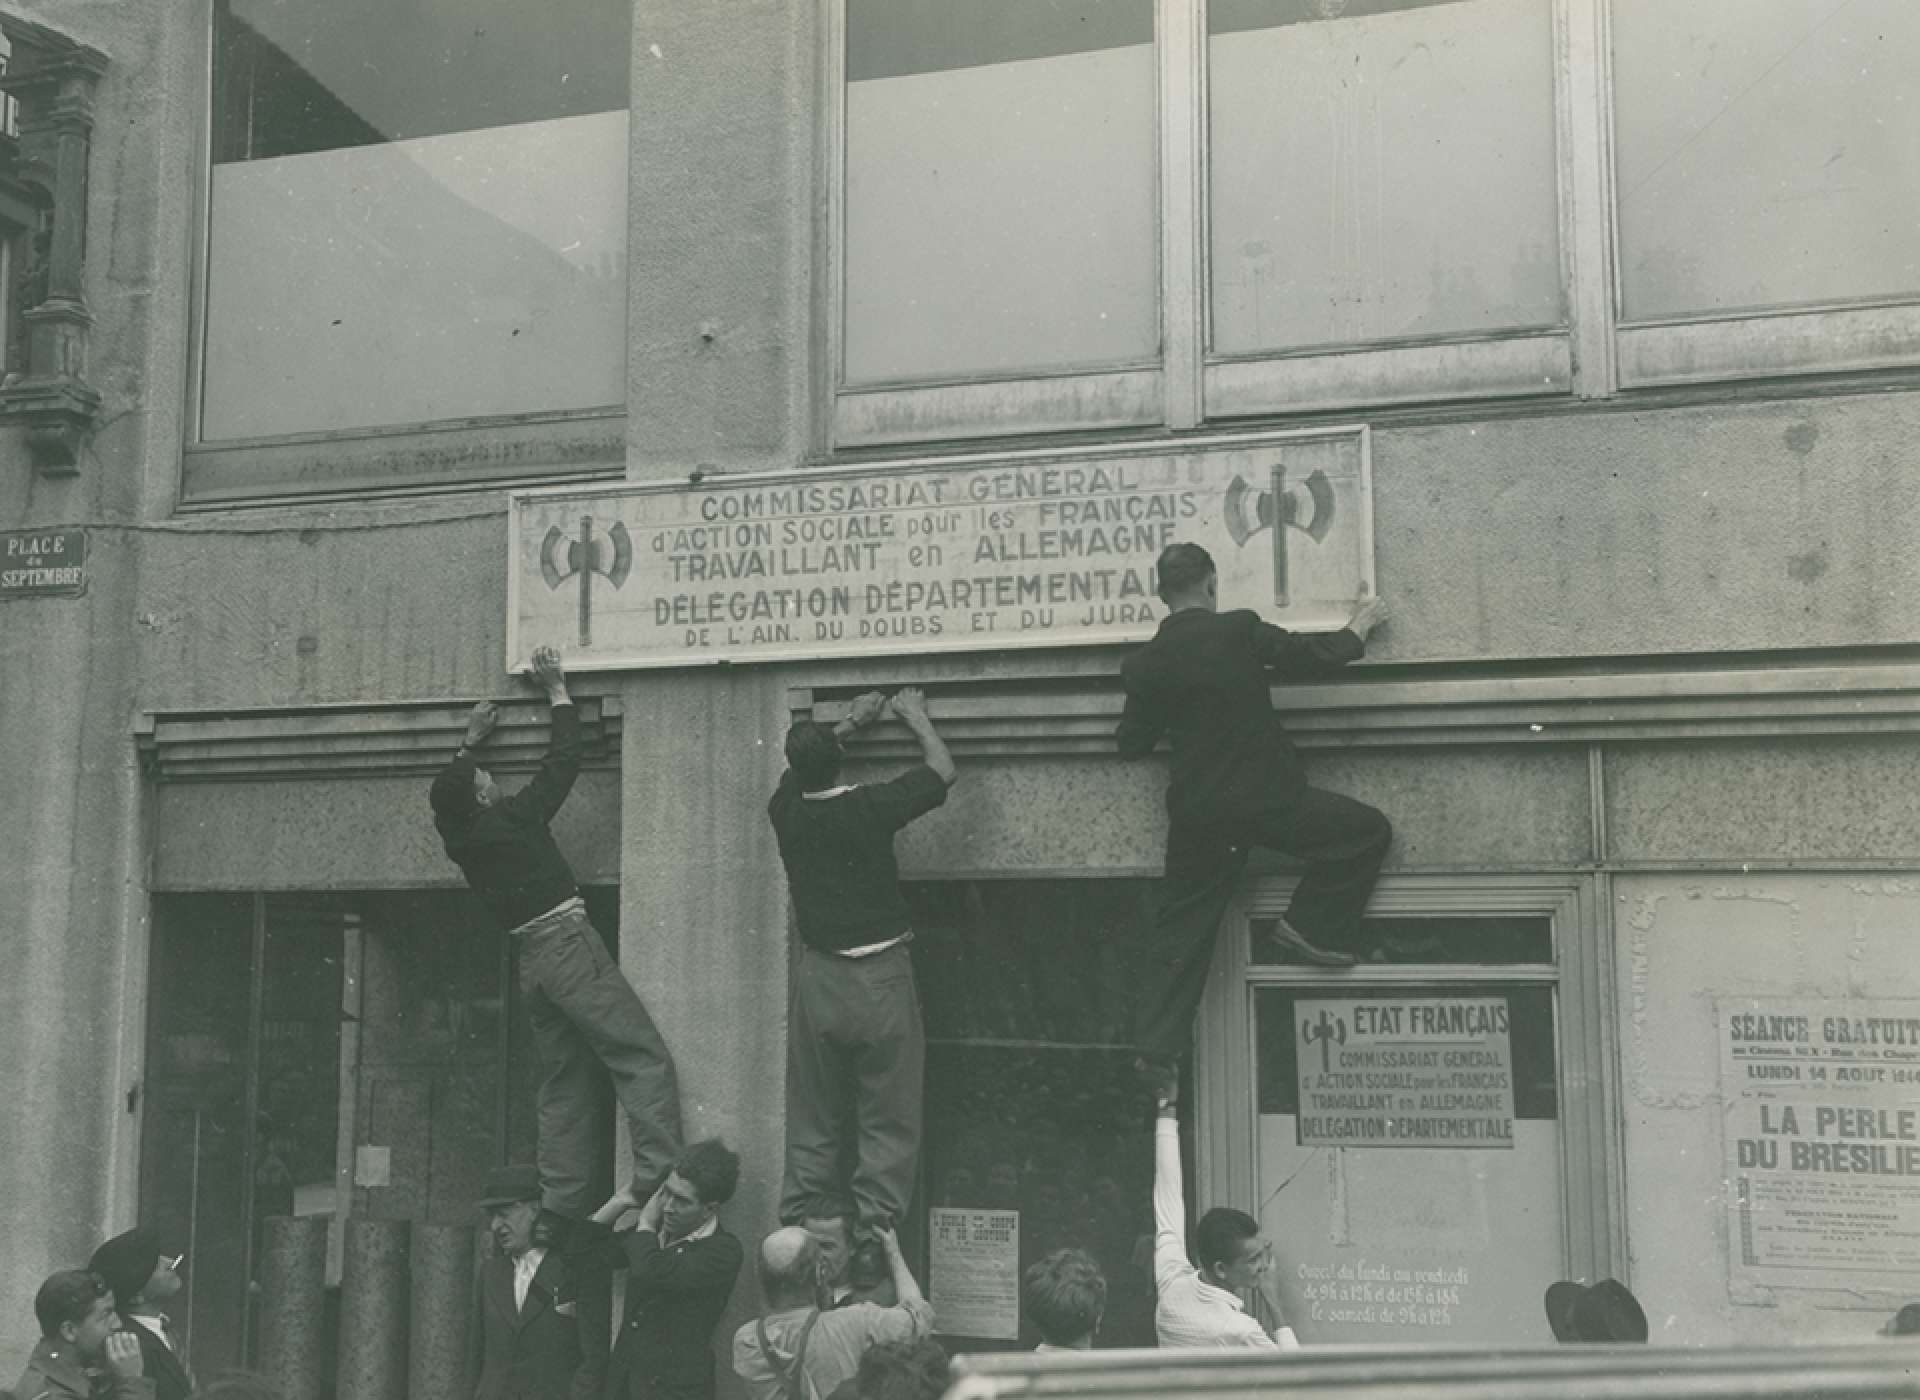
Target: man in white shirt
[(1201, 1307)]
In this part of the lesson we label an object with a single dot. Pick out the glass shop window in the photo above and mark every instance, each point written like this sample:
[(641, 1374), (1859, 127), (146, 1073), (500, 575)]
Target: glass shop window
[(417, 212), (1032, 1103), (1407, 1159), (331, 1055), (1425, 938)]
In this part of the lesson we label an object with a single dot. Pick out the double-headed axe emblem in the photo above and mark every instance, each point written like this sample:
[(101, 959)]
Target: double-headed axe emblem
[(1328, 1031), (1307, 507), (610, 556)]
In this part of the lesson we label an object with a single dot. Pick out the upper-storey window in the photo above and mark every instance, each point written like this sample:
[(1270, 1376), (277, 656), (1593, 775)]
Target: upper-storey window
[(1766, 186), (1069, 215), (1385, 175), (1000, 194), (416, 214), (1769, 153)]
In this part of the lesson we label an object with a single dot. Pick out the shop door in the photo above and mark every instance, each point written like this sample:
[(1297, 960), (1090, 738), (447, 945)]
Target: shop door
[(1400, 1134)]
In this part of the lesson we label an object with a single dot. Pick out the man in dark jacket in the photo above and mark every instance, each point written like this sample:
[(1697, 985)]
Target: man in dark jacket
[(142, 1279), (1205, 679), (582, 1011), (855, 1045), (681, 1264), (527, 1331)]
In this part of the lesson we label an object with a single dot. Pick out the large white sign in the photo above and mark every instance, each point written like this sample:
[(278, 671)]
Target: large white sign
[(1823, 1144), (1010, 550)]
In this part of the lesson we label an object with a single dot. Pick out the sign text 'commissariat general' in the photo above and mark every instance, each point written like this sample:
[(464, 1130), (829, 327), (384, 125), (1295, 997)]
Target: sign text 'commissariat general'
[(1022, 550)]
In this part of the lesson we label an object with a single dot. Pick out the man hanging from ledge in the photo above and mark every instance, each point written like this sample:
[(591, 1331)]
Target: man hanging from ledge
[(1237, 782), (855, 1047), (581, 1009)]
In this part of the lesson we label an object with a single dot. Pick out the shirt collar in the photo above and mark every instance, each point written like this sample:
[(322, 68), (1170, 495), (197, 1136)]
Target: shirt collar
[(155, 1323), (1213, 1293), (531, 1261), (830, 792), (713, 1223)]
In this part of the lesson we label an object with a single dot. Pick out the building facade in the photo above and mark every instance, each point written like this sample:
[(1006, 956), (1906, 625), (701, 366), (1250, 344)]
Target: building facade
[(1618, 301)]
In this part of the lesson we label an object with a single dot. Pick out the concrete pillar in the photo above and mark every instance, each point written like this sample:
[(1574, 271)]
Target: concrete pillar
[(293, 1319), (373, 1311), (440, 1330), (703, 921)]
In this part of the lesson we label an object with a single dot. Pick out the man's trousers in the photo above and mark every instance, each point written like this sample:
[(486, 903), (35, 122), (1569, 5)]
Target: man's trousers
[(1341, 842), (585, 1014), (856, 1056)]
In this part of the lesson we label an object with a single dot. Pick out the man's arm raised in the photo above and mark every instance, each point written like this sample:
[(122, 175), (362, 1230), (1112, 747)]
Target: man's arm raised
[(909, 705), (544, 795)]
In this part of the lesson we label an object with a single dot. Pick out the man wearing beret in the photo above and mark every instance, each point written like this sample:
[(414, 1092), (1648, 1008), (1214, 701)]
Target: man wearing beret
[(528, 1333), (142, 1278)]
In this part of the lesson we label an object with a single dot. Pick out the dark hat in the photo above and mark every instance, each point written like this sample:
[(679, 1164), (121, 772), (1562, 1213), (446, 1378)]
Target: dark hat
[(509, 1185), (1905, 1323), (1601, 1312), (126, 1262)]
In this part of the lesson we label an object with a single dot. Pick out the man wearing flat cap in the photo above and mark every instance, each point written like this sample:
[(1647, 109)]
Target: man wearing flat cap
[(528, 1334), (142, 1279)]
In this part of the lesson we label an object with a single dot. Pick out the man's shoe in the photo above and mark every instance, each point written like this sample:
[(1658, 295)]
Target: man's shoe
[(1287, 938)]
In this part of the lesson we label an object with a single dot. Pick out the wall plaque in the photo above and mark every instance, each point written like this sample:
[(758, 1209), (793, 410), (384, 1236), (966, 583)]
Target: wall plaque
[(43, 563)]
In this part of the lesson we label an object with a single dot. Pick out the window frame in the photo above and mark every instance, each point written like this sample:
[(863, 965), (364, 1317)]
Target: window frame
[(1592, 1174), (1596, 353), (1742, 343), (528, 447)]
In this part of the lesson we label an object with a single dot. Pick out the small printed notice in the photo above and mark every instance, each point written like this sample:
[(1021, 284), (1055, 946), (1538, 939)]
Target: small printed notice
[(372, 1166), (1405, 1072), (975, 1274), (1822, 1124), (43, 563)]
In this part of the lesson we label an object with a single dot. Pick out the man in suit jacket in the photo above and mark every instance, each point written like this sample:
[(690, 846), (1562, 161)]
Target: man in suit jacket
[(528, 1334), (681, 1265), (1205, 680), (142, 1279)]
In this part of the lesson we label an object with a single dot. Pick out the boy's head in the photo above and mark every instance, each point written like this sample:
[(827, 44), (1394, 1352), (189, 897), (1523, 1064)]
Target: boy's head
[(1064, 1296)]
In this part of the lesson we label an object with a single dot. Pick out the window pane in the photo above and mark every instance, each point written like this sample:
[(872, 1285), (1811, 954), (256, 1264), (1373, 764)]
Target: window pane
[(1380, 169), (418, 212), (1767, 152), (1425, 938), (1032, 1101), (1395, 1235), (1000, 195)]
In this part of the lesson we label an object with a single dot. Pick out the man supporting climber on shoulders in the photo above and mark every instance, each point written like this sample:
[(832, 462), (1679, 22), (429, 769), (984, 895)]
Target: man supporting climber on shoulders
[(1205, 681)]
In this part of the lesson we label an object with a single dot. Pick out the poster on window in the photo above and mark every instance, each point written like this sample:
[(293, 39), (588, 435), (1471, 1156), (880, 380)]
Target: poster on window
[(1822, 1141), (1027, 549), (974, 1279), (1405, 1072)]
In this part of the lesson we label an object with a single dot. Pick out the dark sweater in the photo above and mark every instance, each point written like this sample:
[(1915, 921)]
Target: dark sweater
[(1206, 680), (675, 1298), (839, 856), (506, 852)]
